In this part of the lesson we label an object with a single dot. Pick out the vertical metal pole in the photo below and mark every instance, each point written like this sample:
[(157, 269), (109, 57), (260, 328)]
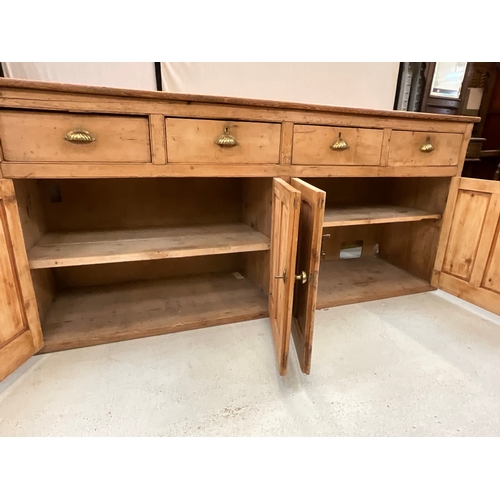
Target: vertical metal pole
[(158, 76)]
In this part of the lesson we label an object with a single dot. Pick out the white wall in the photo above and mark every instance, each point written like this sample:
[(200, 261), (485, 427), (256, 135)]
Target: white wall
[(363, 85), (129, 75)]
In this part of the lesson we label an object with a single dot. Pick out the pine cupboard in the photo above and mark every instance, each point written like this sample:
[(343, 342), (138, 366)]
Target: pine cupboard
[(125, 214)]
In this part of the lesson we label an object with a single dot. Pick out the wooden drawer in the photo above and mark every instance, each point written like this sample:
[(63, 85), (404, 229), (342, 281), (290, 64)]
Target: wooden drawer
[(405, 149), (193, 141), (311, 146), (40, 137)]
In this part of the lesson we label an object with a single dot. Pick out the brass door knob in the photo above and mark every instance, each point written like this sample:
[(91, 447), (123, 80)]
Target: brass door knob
[(301, 278)]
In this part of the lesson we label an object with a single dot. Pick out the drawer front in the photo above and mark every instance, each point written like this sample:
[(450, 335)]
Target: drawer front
[(40, 137), (193, 141), (405, 149), (312, 145)]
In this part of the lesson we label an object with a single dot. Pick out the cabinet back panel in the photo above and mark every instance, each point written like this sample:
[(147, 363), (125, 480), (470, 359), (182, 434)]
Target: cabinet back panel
[(44, 286), (91, 204), (411, 246), (424, 193), (125, 272), (344, 191), (350, 236), (31, 210)]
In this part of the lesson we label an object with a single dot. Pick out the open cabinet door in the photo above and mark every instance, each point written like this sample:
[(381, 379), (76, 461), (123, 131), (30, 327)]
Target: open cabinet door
[(468, 258), (312, 211), (20, 330), (284, 234)]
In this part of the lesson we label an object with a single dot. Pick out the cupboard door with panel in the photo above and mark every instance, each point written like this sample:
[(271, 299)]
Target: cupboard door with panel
[(468, 259), (312, 211), (284, 236), (20, 330)]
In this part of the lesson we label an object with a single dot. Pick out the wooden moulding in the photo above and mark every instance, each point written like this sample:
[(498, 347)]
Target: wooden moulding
[(344, 117), (16, 352), (137, 170), (479, 296), (52, 91)]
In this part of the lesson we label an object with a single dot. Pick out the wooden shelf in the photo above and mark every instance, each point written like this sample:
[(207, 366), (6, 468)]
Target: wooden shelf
[(100, 247), (348, 281), (99, 315), (380, 214), (490, 153)]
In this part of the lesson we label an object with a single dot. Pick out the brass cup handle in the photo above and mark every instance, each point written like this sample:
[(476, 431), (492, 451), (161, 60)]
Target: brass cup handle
[(226, 140), (340, 144), (79, 137), (427, 147)]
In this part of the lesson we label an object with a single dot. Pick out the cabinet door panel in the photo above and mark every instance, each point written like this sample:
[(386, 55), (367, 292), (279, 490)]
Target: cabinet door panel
[(312, 211), (470, 244), (20, 330), (468, 219), (284, 234), (491, 278), (11, 312)]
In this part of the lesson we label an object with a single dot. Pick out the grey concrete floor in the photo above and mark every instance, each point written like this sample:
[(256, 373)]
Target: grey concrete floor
[(419, 365)]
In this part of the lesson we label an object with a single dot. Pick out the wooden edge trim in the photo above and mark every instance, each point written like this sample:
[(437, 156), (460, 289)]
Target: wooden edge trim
[(286, 144), (51, 88), (481, 297), (157, 133), (445, 230)]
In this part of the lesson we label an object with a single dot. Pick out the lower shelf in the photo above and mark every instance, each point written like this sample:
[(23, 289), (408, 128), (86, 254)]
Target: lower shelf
[(100, 315), (347, 281)]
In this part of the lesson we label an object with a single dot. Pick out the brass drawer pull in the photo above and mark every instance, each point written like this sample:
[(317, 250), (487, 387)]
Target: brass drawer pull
[(226, 140), (79, 136), (427, 147), (339, 144)]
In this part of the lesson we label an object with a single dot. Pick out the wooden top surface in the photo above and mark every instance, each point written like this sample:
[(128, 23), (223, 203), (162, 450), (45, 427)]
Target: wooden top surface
[(10, 83)]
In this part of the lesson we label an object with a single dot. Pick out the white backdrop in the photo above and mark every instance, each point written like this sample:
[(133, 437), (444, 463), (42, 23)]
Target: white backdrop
[(129, 75), (364, 85)]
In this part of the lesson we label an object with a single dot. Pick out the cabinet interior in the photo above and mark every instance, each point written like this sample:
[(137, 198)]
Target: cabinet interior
[(380, 237), (114, 259)]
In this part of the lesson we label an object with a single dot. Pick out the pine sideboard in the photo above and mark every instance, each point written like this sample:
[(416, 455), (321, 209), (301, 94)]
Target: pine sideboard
[(125, 214)]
